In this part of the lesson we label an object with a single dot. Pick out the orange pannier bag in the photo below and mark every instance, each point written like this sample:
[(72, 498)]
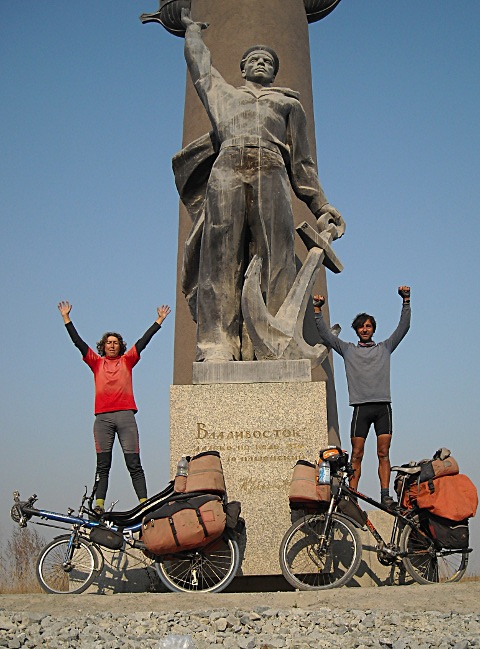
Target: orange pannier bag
[(184, 524), (205, 474), (453, 496), (304, 486)]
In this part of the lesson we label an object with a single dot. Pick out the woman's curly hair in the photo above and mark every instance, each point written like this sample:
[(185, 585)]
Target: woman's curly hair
[(101, 343)]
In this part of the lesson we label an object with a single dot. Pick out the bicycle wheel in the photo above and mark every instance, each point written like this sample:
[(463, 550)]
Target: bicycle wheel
[(208, 570), (428, 565), (62, 569), (310, 563)]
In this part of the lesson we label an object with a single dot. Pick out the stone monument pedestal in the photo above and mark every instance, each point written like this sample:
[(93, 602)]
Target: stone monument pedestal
[(260, 430)]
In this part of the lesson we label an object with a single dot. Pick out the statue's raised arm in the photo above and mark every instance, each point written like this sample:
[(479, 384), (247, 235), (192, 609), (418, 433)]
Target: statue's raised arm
[(197, 54)]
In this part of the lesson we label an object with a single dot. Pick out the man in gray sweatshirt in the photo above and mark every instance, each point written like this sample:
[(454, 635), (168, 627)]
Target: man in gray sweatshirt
[(367, 366)]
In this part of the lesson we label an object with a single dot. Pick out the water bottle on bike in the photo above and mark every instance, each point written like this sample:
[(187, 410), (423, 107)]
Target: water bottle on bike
[(324, 472), (182, 466), (181, 475), (324, 465)]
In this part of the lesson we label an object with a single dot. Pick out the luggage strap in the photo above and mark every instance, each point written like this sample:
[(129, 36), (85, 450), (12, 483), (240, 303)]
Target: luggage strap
[(174, 531), (200, 520), (176, 505)]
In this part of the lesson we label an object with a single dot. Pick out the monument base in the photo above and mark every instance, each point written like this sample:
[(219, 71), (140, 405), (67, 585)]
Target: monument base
[(260, 430), (280, 371)]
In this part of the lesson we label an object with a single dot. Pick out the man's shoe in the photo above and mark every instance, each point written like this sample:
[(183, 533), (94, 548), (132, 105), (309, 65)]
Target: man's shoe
[(388, 501)]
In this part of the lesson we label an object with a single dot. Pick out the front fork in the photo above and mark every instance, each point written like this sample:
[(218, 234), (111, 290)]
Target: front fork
[(324, 537), (67, 560)]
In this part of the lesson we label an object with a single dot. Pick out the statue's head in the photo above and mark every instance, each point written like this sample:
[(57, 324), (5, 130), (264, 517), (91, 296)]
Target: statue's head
[(260, 63)]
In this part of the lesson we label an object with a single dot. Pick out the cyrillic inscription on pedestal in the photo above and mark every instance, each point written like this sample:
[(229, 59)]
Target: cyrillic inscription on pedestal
[(260, 430)]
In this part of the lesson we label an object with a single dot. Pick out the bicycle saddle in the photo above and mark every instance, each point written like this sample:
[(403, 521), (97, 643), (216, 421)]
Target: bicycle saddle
[(409, 470), (135, 515)]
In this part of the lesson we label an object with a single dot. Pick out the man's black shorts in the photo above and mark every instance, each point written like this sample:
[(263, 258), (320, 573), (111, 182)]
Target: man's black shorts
[(366, 414)]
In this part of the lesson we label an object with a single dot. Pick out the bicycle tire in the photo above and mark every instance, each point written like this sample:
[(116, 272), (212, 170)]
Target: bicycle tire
[(56, 578), (206, 570), (426, 564), (308, 566)]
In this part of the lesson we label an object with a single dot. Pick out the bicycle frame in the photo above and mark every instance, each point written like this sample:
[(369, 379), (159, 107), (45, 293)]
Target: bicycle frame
[(384, 549), (128, 522), (405, 518), (387, 551), (68, 519)]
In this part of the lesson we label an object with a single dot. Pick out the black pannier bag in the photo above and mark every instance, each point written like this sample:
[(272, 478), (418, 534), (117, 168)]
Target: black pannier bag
[(106, 537), (451, 535), (353, 510), (232, 511)]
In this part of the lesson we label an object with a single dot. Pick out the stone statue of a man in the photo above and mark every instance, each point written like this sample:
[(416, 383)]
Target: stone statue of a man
[(236, 184)]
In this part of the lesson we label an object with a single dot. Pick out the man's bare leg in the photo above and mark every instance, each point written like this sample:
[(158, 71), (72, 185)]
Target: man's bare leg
[(358, 446), (383, 453)]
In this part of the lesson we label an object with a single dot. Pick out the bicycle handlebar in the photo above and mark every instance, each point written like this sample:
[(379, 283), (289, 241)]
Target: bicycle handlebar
[(19, 512)]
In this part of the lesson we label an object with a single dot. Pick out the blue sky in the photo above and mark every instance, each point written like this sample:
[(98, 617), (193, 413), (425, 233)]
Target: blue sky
[(91, 114)]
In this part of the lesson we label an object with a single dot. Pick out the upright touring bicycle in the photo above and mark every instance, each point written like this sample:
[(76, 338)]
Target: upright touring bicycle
[(322, 549)]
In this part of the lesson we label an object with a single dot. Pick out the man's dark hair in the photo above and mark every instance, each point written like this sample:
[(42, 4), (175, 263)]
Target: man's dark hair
[(101, 343), (262, 48), (360, 320)]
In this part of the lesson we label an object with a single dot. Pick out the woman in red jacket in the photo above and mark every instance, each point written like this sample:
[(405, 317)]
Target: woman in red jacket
[(115, 405)]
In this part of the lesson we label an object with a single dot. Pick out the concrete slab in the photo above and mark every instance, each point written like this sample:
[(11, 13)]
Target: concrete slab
[(279, 371)]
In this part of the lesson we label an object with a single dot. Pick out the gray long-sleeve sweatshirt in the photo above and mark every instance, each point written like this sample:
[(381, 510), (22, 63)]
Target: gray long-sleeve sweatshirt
[(367, 368)]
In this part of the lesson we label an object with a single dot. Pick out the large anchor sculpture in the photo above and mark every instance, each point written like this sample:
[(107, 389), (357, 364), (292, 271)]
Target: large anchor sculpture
[(281, 336)]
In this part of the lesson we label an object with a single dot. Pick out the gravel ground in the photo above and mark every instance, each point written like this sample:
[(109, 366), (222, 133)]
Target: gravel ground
[(399, 617)]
